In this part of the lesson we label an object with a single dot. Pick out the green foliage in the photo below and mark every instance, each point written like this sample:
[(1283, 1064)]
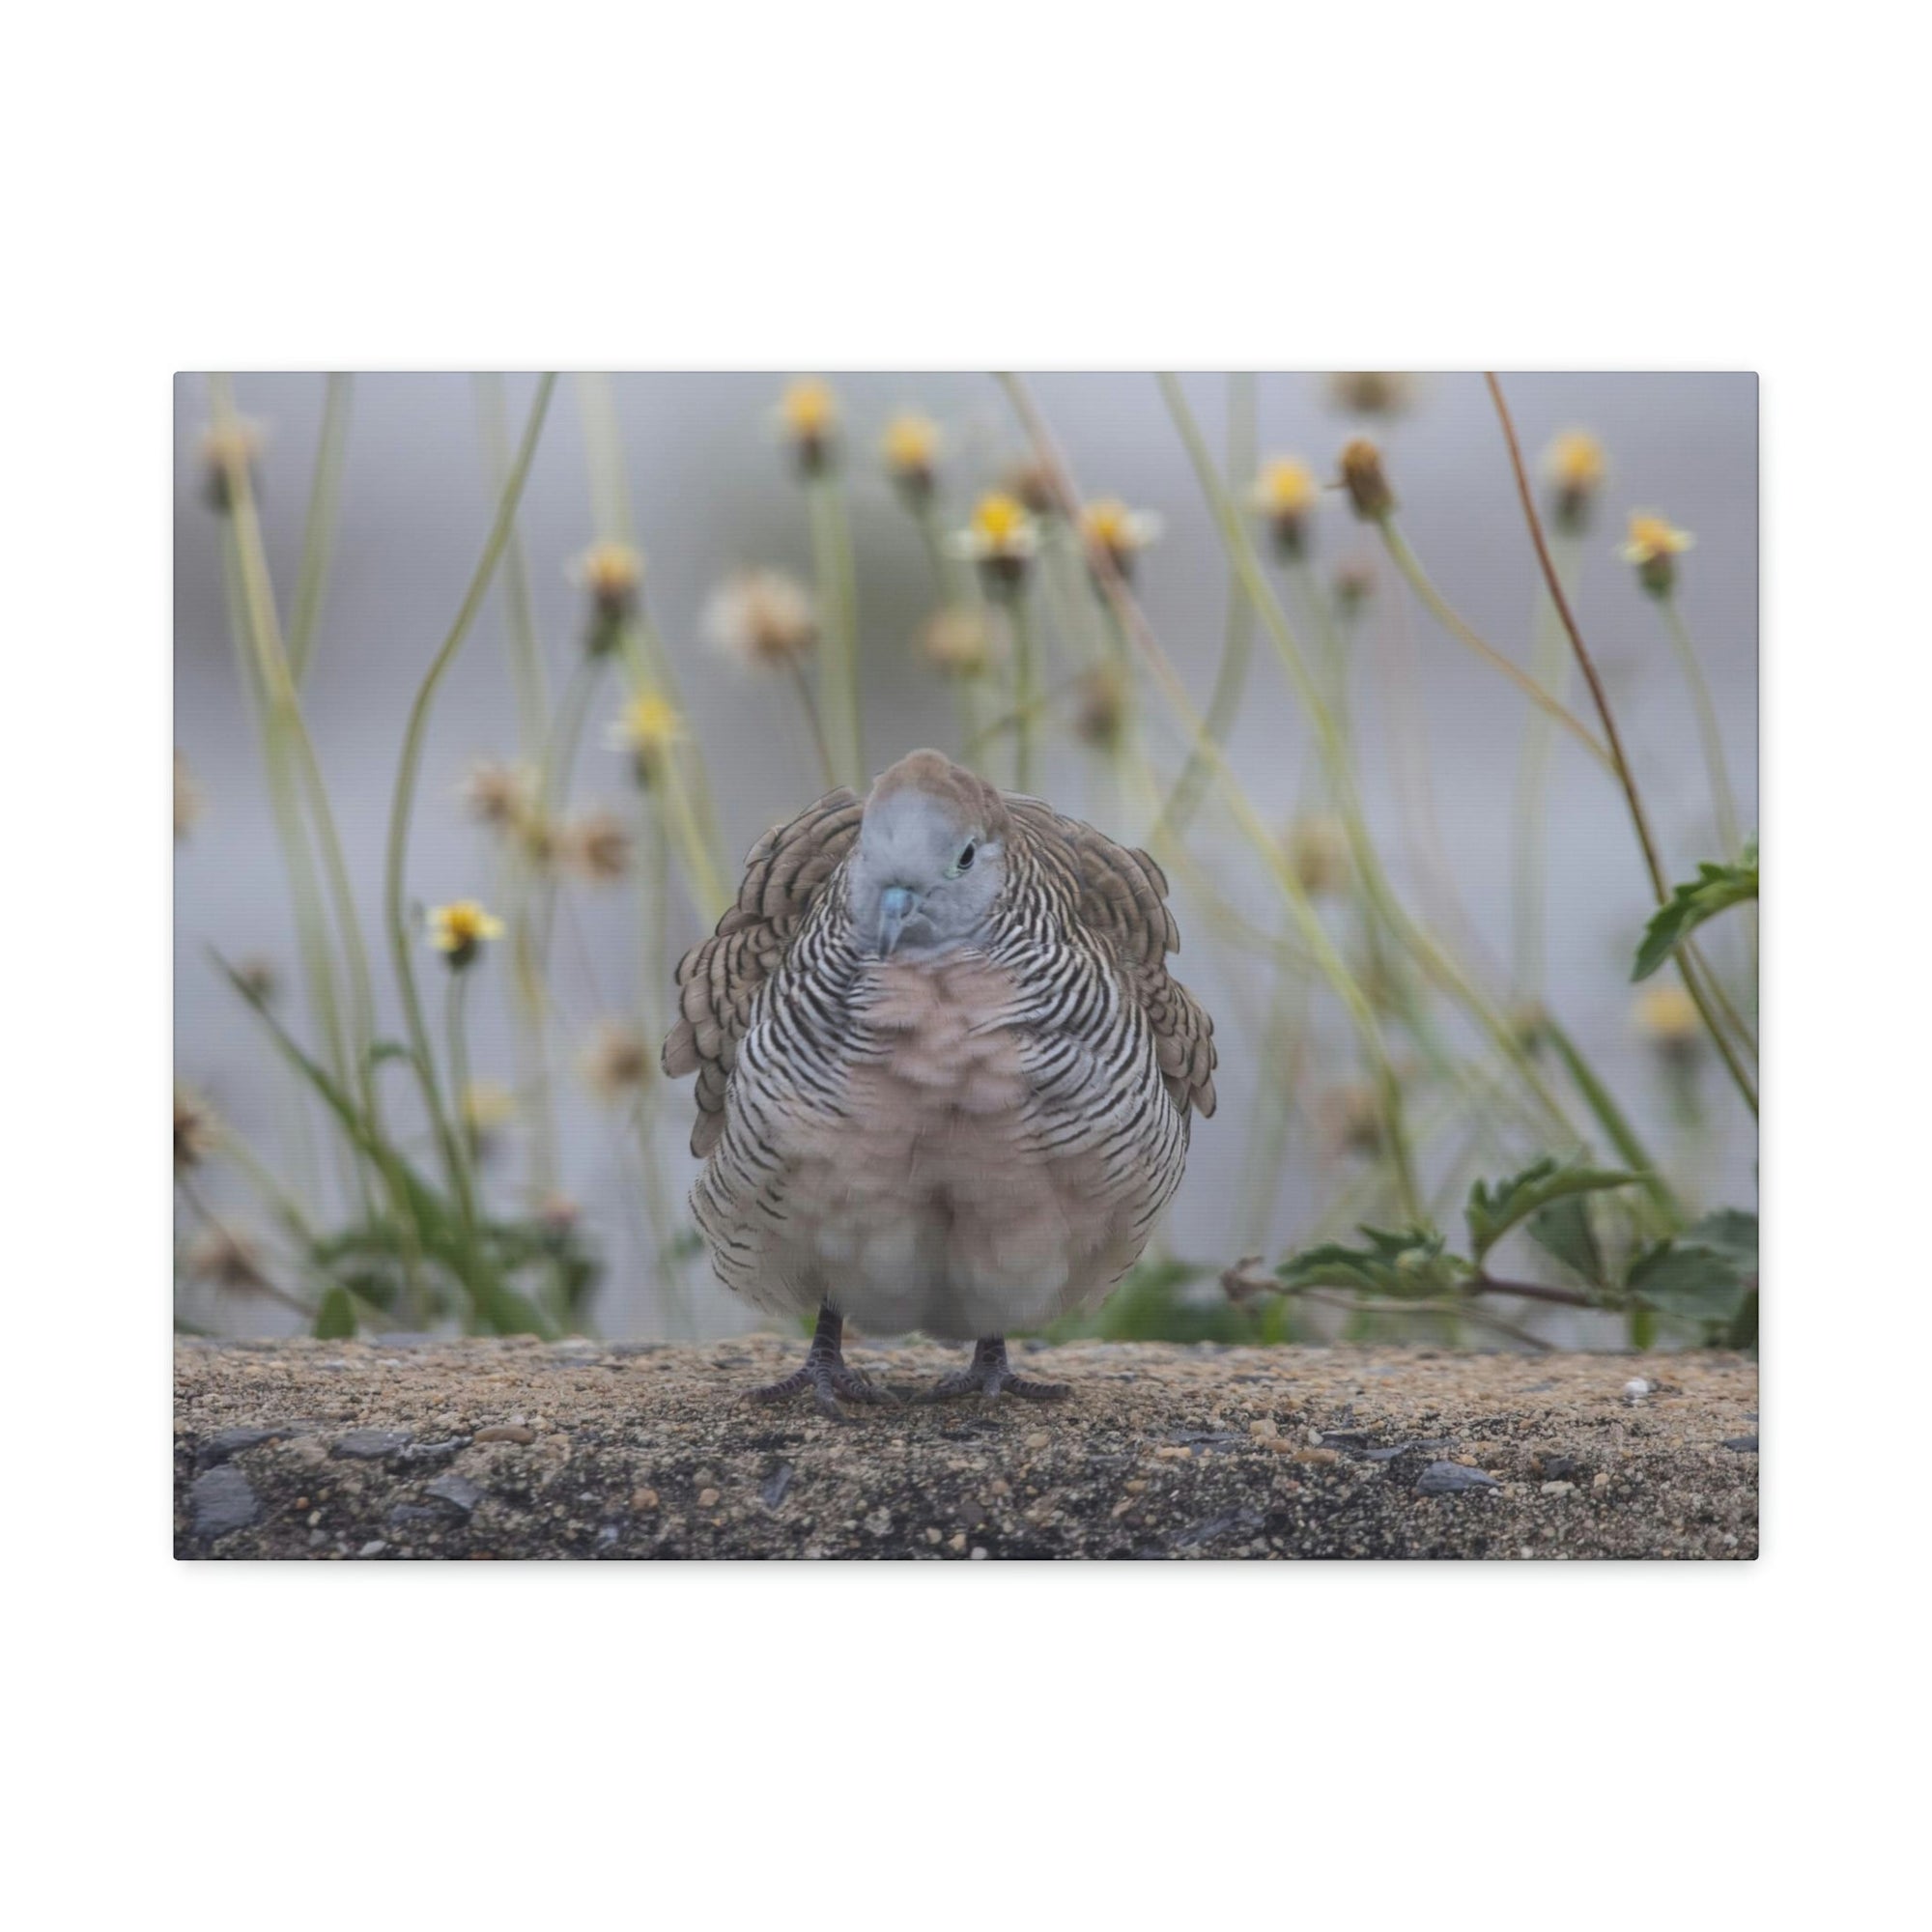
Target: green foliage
[(336, 1319), (1410, 1263), (1690, 1281), (1493, 1209), (1564, 1230), (1714, 890)]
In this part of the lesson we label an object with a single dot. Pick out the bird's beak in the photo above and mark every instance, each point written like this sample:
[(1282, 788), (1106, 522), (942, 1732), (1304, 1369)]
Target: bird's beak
[(897, 905)]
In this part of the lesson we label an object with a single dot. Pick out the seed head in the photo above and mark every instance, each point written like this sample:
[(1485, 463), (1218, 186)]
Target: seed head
[(1373, 392), (1318, 849), (596, 846), (196, 1128), (500, 793), (229, 452), (190, 801), (1030, 483), (616, 1063), (460, 930), (763, 618), (1101, 709), (1654, 547), (228, 1258), (1366, 481), (262, 979), (957, 642)]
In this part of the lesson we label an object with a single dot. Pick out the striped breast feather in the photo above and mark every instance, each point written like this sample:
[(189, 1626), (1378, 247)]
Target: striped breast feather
[(1119, 896), (718, 978)]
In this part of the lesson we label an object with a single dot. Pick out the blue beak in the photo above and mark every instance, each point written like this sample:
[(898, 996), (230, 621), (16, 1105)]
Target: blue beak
[(895, 906)]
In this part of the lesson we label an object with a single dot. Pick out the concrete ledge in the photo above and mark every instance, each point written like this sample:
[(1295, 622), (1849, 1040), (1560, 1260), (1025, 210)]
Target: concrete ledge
[(518, 1449)]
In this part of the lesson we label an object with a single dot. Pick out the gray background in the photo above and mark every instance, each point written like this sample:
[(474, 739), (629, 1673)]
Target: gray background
[(710, 493)]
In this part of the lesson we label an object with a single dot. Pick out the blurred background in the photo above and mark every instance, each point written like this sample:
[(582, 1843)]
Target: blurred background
[(1517, 855)]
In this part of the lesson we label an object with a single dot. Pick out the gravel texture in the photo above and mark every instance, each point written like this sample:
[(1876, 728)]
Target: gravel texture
[(420, 1448)]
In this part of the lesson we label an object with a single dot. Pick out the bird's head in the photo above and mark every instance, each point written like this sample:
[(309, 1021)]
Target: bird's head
[(930, 858)]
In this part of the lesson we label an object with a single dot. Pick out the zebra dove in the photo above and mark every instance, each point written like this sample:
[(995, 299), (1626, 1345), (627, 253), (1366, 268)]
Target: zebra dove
[(943, 1078)]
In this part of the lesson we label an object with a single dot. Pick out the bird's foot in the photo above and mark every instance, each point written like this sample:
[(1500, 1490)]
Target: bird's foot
[(991, 1374), (825, 1377)]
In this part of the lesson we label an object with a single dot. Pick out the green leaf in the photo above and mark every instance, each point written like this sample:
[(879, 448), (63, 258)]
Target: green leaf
[(1690, 905), (1494, 1211), (1689, 1281), (1405, 1262), (336, 1319), (1733, 1231), (1564, 1230)]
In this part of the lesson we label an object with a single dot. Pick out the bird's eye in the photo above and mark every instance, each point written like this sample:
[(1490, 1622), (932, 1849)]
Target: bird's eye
[(964, 862)]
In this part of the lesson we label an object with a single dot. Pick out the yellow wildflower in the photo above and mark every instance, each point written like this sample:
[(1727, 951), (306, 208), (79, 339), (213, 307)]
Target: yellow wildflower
[(808, 419), (910, 448), (458, 930), (1668, 1017), (1576, 465), (1285, 495), (1108, 524), (1002, 539), (1653, 546)]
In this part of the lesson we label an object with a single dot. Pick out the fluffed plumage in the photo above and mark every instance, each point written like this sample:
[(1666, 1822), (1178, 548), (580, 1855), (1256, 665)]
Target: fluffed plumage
[(945, 1079)]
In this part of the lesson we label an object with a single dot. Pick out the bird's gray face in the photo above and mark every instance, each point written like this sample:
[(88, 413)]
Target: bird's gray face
[(921, 881)]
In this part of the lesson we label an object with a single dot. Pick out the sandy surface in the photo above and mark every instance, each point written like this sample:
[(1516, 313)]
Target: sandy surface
[(585, 1449)]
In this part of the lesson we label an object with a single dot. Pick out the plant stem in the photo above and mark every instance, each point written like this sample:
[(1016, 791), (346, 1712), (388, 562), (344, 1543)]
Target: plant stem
[(1660, 885), (526, 666), (1418, 581), (837, 599), (1250, 822), (408, 771), (1549, 665), (319, 535), (1026, 689), (1723, 799)]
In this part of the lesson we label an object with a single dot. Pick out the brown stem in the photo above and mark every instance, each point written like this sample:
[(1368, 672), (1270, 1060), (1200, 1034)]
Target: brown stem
[(1535, 1291), (1659, 884)]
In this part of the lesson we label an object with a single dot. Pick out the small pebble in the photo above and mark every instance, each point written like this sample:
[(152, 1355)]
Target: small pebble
[(979, 1553), (1038, 1439), (707, 1499), (959, 1542), (643, 1499), (1559, 1489), (1636, 1389), (375, 1547), (507, 1432)]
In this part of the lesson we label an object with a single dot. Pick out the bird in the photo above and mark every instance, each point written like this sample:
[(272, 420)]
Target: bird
[(944, 1080)]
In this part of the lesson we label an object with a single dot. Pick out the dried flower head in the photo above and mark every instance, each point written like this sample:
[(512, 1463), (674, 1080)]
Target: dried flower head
[(648, 729), (189, 802), (1351, 1118), (959, 641), (558, 1214), (1107, 524), (1373, 392), (1668, 1017), (1100, 707), (1285, 495), (228, 1258), (808, 420), (460, 929), (196, 1128), (1653, 546), (617, 1062), (910, 448), (229, 453), (261, 978), (486, 1110), (1031, 482), (612, 574), (596, 846), (763, 618), (500, 793), (1366, 481), (1002, 539), (1355, 584), (1318, 850), (1575, 465)]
